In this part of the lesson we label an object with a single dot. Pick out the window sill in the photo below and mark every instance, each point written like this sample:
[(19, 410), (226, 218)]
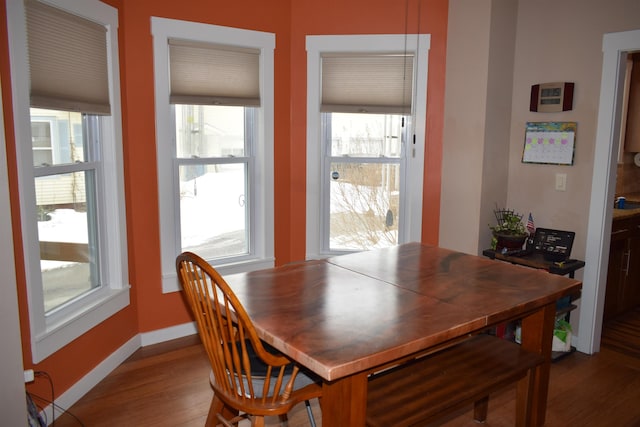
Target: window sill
[(170, 280), (64, 328)]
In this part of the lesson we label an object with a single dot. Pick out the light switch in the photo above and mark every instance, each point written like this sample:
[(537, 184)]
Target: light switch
[(561, 182)]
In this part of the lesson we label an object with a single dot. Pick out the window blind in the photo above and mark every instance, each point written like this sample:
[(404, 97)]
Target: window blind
[(67, 60), (209, 74), (373, 83)]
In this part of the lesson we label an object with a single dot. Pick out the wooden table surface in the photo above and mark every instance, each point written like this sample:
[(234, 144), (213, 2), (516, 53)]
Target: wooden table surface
[(347, 316)]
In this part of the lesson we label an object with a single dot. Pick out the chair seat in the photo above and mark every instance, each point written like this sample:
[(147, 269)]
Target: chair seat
[(249, 377), (302, 380), (258, 367), (259, 371)]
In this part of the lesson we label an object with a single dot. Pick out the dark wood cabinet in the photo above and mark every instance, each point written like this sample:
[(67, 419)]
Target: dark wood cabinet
[(615, 278), (632, 131), (623, 276), (632, 282)]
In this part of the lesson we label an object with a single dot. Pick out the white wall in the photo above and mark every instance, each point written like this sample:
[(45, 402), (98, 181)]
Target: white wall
[(499, 95), (464, 123), (561, 41), (480, 51), (553, 41), (13, 410), (565, 45)]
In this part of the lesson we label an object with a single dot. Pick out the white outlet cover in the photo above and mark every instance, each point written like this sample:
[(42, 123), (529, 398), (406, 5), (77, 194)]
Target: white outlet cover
[(561, 181)]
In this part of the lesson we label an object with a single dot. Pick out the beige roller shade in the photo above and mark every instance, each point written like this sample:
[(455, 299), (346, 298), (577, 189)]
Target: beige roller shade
[(208, 74), (67, 60), (367, 83)]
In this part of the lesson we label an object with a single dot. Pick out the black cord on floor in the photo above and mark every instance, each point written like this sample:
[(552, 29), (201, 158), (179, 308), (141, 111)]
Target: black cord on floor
[(52, 400), (55, 405)]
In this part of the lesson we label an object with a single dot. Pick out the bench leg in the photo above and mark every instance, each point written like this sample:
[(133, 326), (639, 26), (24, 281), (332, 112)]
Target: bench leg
[(524, 407), (480, 408)]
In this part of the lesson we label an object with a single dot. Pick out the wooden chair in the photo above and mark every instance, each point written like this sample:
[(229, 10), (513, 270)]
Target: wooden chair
[(249, 379)]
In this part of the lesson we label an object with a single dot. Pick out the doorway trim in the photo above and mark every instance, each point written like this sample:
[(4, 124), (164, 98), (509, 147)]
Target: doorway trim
[(614, 47)]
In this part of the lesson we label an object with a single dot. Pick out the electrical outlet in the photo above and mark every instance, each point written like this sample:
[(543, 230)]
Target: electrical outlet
[(561, 182), (29, 376)]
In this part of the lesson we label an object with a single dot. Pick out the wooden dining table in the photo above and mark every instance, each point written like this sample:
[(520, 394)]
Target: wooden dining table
[(348, 316)]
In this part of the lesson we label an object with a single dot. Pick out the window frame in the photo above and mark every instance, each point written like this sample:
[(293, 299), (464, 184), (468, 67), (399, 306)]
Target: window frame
[(50, 332), (413, 175), (260, 184)]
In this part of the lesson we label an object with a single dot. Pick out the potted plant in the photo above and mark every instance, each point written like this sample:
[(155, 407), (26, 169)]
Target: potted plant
[(509, 233)]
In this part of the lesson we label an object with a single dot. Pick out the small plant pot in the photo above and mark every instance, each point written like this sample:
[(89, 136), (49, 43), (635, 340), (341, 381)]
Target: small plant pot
[(509, 242)]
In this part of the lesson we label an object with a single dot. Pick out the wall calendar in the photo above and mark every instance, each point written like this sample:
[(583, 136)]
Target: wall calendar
[(549, 143)]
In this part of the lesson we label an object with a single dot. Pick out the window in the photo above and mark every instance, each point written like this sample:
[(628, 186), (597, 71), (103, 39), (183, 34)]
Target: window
[(213, 167), (214, 106), (66, 103), (365, 143), (66, 196), (364, 161)]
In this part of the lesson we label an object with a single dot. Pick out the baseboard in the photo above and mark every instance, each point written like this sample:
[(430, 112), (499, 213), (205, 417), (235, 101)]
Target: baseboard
[(578, 344), (166, 334), (90, 380), (104, 368)]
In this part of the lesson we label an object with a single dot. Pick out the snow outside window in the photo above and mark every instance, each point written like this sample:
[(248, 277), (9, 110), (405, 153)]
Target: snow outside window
[(70, 172), (215, 145), (366, 109)]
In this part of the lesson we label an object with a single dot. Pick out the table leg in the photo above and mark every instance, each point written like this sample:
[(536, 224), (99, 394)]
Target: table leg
[(537, 335), (344, 401)]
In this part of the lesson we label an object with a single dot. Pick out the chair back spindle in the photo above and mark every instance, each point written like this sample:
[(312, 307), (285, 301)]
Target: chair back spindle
[(246, 376)]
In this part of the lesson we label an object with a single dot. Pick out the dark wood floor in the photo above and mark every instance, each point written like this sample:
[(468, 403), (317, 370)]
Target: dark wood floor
[(622, 334), (166, 385)]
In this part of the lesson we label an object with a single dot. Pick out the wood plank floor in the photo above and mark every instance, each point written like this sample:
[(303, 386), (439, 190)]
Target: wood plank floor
[(623, 334), (166, 385)]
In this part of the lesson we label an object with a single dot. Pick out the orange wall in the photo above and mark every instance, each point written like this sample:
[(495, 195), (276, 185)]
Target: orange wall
[(290, 20), (156, 310), (313, 17), (71, 363)]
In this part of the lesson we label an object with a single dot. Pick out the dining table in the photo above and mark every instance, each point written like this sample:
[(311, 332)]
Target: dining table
[(346, 317)]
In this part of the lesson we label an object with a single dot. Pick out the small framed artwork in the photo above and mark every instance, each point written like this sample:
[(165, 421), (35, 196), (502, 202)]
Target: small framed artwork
[(549, 143)]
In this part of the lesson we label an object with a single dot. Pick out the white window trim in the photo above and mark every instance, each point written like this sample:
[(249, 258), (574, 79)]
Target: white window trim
[(50, 333), (411, 215), (261, 211)]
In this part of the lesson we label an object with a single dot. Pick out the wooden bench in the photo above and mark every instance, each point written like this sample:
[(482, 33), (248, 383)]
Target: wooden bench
[(427, 388)]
